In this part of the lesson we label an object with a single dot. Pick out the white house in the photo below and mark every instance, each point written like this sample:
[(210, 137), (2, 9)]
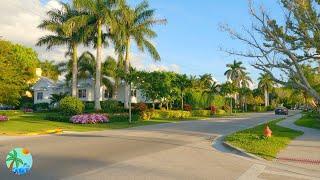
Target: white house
[(45, 87)]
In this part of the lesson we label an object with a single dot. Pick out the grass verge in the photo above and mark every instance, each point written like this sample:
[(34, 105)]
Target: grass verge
[(309, 120), (252, 140), (29, 123)]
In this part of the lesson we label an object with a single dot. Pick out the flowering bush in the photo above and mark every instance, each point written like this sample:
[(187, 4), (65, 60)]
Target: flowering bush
[(3, 118), (89, 119)]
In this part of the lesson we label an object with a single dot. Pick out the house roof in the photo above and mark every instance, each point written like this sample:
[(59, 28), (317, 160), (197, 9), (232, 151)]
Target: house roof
[(44, 83)]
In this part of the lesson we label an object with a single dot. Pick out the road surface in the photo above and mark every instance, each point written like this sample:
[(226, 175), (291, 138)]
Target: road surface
[(165, 151)]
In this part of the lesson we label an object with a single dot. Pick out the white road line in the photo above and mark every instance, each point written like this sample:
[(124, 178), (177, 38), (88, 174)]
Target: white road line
[(253, 172)]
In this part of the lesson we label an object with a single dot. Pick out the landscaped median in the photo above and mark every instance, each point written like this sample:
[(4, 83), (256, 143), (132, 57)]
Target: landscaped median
[(253, 140), (310, 120)]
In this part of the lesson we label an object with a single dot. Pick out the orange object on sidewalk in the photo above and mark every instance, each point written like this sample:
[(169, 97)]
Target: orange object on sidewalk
[(267, 131)]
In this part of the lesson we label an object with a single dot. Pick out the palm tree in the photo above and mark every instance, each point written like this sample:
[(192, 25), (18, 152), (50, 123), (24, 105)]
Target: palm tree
[(135, 24), (212, 90), (245, 80), (13, 159), (59, 37), (94, 15), (266, 83), (234, 72), (182, 82)]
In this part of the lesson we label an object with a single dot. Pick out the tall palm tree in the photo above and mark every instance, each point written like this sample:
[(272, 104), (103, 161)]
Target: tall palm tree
[(59, 37), (234, 72), (134, 24), (95, 14), (266, 83), (245, 80)]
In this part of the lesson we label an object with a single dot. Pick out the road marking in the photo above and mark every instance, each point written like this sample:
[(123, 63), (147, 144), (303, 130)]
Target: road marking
[(253, 172)]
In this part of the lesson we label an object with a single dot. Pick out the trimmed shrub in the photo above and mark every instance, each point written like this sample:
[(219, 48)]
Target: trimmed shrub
[(71, 106), (41, 107), (220, 112), (112, 106), (57, 117), (3, 118), (201, 113), (146, 115), (171, 114), (187, 107), (123, 117), (89, 119)]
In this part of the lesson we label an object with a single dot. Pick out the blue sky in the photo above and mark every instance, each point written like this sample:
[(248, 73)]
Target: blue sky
[(192, 38)]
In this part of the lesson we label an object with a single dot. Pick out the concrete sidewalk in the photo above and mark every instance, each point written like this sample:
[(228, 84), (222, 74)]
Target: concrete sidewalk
[(304, 151)]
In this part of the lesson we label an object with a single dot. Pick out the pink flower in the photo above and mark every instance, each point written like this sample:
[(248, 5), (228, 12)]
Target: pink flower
[(89, 119), (3, 118)]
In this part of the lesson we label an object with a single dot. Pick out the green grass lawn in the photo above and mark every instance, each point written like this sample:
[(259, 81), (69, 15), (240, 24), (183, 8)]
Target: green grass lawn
[(310, 121), (253, 141), (23, 123)]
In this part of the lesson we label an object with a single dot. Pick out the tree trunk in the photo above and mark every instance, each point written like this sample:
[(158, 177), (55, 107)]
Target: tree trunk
[(266, 97), (127, 71), (130, 103), (182, 101), (74, 70), (97, 92), (11, 165), (115, 89)]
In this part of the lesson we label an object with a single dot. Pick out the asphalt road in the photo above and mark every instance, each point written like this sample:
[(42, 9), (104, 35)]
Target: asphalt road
[(165, 151)]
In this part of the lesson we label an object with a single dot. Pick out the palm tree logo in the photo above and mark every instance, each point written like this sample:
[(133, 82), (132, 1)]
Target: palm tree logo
[(19, 161), (12, 158)]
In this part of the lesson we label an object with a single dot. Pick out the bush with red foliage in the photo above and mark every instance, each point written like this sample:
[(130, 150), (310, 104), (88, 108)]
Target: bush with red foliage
[(213, 109), (187, 107)]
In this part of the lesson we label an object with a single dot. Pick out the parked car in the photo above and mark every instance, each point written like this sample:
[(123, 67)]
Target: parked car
[(281, 111)]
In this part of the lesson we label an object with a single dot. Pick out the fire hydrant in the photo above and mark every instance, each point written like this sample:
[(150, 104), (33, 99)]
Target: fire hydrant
[(267, 131)]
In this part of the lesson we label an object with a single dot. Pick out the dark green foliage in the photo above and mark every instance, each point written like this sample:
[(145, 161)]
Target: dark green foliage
[(89, 106), (112, 106), (40, 107), (71, 106), (123, 117), (57, 117)]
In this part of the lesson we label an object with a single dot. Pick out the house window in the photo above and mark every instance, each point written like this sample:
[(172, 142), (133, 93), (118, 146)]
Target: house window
[(39, 95), (82, 93), (107, 94), (134, 93)]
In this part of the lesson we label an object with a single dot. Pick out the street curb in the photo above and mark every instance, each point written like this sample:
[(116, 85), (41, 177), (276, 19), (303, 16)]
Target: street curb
[(242, 151)]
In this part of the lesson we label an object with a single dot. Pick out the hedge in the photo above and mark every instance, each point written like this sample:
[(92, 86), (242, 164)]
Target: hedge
[(170, 114), (201, 113)]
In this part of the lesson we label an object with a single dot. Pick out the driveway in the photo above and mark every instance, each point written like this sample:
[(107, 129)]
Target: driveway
[(165, 151)]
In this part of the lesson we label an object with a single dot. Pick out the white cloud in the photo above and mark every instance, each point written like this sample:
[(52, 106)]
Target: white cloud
[(18, 23)]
